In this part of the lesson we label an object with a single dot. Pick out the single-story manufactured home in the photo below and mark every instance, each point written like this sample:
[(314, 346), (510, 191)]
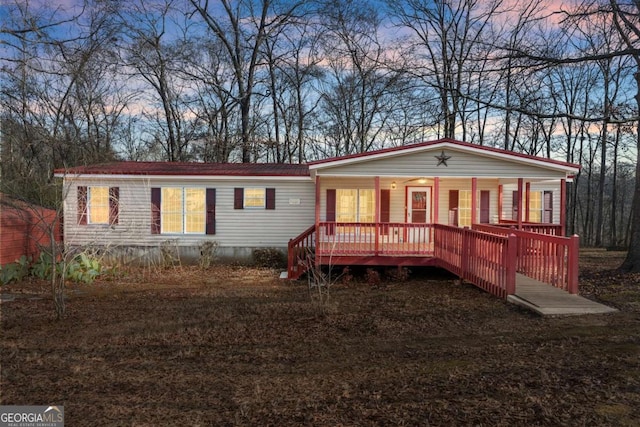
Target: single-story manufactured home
[(386, 207)]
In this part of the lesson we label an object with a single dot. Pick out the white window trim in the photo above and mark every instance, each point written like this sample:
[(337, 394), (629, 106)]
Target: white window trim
[(184, 213), (89, 207), (357, 199), (264, 198)]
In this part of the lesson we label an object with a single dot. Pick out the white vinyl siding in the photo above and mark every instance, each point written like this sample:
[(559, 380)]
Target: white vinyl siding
[(461, 164), (234, 228)]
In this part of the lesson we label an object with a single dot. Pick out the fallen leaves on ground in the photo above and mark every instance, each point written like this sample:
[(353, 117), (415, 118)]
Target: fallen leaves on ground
[(237, 346)]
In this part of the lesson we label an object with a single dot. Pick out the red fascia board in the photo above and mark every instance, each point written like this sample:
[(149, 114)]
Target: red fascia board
[(440, 141), (190, 169)]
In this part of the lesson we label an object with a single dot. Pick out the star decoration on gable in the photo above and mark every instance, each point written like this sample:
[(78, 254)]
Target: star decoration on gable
[(442, 159)]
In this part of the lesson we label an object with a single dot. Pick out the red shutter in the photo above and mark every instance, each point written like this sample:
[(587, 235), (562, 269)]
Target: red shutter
[(211, 211), (82, 205), (155, 211), (548, 207), (485, 213), (331, 210), (270, 201), (453, 207), (238, 198), (385, 209), (114, 205), (514, 205), (331, 205)]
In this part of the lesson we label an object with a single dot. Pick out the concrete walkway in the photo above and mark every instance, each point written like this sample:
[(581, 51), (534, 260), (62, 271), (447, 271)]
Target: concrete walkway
[(546, 300)]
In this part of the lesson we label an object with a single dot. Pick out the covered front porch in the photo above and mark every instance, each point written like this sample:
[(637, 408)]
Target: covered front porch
[(448, 204)]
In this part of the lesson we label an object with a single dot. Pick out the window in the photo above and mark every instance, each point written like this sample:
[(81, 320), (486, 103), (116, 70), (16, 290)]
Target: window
[(98, 205), (355, 205), (541, 206), (535, 206), (183, 210), (464, 208), (254, 198)]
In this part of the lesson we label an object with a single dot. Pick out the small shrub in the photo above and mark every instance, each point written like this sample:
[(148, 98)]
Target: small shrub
[(346, 277), (43, 266), (372, 277), (208, 251), (400, 274), (169, 256), (14, 271), (268, 257), (83, 269)]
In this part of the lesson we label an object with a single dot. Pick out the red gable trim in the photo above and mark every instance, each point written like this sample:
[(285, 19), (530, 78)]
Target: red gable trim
[(448, 141)]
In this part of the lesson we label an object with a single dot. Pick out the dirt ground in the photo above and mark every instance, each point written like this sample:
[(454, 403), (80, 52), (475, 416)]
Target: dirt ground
[(237, 346)]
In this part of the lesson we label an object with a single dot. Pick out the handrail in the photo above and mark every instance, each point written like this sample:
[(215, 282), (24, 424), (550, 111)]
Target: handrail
[(488, 256), (298, 251), (544, 257), (481, 258)]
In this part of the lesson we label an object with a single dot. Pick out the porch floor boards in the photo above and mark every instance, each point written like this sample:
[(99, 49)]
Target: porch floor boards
[(547, 300)]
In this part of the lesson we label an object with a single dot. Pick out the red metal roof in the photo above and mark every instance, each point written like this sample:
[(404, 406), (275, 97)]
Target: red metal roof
[(441, 141), (180, 168), (269, 169)]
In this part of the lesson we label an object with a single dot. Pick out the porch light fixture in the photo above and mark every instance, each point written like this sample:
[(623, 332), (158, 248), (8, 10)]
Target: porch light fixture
[(422, 181), (393, 185)]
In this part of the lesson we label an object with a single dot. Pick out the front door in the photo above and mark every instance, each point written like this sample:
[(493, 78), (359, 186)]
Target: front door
[(418, 212)]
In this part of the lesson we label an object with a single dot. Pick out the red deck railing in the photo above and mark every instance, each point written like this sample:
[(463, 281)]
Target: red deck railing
[(299, 250), (534, 227), (486, 260), (488, 256), (371, 239), (547, 258)]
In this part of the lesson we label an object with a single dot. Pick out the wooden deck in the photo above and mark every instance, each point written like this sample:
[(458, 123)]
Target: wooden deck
[(550, 301)]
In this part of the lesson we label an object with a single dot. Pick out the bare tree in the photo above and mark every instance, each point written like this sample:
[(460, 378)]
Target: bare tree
[(447, 33), (242, 27)]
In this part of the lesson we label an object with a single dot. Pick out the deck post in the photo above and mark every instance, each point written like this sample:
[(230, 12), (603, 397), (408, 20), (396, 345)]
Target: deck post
[(572, 258), (474, 200), (511, 255), (376, 181), (436, 199), (520, 188), (500, 195), (464, 267), (563, 207)]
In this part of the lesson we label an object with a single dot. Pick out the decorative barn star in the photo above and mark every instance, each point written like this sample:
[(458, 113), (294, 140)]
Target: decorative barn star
[(442, 159)]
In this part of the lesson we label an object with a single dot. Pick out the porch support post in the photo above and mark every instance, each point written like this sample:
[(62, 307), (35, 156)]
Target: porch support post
[(520, 188), (500, 191), (376, 181), (317, 201), (563, 207), (317, 223), (436, 198), (527, 203), (474, 201)]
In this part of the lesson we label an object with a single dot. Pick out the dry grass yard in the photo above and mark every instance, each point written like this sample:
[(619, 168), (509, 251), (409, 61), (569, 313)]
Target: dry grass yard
[(237, 346)]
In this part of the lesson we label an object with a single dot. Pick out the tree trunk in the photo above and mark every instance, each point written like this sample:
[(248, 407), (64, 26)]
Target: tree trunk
[(632, 261)]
